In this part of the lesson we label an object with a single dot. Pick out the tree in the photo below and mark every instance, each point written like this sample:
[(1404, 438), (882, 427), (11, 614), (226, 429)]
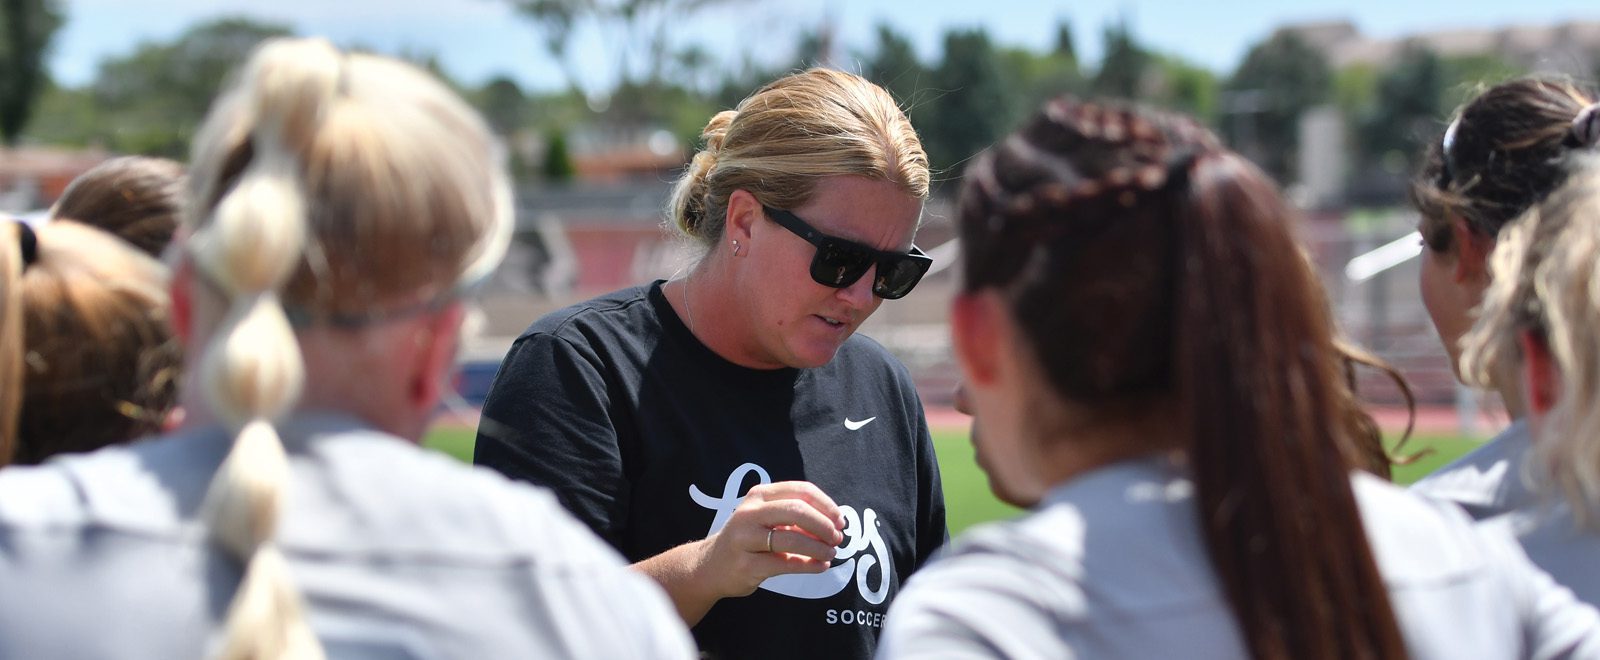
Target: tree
[(1035, 77), (638, 32), (1394, 111), (26, 30), (1122, 71), (895, 67), (1355, 89), (153, 99), (555, 21), (1409, 105), (972, 107), (503, 105), (1277, 82), (1184, 87), (62, 116), (739, 81), (1467, 76), (557, 159), (815, 48), (693, 67), (1064, 47)]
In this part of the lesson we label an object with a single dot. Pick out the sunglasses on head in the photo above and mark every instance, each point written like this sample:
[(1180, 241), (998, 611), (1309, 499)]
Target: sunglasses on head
[(1447, 145), (838, 262)]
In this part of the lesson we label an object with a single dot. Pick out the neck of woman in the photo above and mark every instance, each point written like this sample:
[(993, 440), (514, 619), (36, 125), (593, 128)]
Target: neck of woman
[(1508, 384), (707, 300), (1084, 441)]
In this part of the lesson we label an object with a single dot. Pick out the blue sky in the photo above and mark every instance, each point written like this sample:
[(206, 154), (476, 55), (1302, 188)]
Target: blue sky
[(478, 39)]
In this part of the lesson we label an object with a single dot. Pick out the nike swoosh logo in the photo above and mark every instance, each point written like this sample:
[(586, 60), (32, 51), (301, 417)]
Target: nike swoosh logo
[(856, 426)]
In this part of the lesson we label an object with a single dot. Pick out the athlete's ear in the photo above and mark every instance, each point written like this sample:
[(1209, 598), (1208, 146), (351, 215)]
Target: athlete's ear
[(963, 399), (743, 212), (174, 419), (975, 333), (180, 299), (435, 358), (1472, 251)]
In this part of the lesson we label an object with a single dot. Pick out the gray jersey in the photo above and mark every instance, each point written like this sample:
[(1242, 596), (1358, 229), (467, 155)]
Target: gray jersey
[(399, 553), (1488, 481), (1112, 565), (1553, 540)]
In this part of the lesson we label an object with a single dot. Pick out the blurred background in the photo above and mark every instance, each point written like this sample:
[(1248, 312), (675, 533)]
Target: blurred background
[(602, 101)]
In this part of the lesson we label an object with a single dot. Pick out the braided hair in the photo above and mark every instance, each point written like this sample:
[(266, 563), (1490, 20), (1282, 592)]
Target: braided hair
[(1143, 263), (325, 188)]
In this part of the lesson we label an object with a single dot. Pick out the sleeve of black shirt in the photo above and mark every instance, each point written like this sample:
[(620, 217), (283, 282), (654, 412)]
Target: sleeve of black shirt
[(546, 420)]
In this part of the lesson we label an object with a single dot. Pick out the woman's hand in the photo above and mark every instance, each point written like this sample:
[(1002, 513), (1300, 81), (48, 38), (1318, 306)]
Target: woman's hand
[(786, 527), (777, 529)]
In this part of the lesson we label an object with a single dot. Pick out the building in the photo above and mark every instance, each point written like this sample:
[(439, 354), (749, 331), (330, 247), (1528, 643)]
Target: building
[(1571, 48), (34, 177)]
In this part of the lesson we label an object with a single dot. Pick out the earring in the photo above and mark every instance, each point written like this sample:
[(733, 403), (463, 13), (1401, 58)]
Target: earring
[(736, 248)]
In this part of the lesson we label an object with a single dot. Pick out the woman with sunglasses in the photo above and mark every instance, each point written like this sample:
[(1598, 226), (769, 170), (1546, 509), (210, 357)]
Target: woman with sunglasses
[(1500, 156), (728, 431), (1154, 371)]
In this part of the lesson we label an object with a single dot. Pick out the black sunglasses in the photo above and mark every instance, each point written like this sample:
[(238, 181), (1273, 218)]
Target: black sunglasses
[(838, 262)]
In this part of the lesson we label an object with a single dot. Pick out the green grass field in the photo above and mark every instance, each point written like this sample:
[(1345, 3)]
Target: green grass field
[(1440, 449), (966, 489)]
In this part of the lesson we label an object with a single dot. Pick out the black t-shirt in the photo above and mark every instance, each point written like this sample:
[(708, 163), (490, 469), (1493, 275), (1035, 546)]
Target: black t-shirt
[(651, 438)]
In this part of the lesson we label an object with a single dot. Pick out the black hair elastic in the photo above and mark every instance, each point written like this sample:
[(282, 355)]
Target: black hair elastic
[(27, 243), (1180, 166)]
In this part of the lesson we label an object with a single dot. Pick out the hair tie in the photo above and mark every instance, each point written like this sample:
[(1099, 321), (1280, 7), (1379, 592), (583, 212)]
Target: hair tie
[(1181, 164), (27, 243), (1586, 126)]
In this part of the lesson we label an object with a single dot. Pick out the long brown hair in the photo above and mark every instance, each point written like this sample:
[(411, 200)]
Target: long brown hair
[(88, 352), (1143, 261), (1366, 435), (138, 198)]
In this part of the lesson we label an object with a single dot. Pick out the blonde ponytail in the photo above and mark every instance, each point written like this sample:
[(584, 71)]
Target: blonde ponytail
[(253, 370), (327, 188)]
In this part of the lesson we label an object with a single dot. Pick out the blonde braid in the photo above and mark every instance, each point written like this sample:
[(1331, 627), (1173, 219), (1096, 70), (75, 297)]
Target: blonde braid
[(13, 348), (253, 370)]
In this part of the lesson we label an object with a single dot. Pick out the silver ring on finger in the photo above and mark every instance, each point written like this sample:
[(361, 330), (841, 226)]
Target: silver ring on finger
[(769, 539)]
